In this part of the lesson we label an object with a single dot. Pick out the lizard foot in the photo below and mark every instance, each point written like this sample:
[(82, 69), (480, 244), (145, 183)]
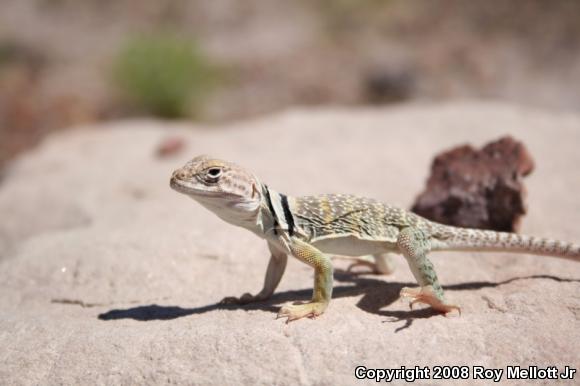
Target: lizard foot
[(244, 299), (298, 311), (427, 295)]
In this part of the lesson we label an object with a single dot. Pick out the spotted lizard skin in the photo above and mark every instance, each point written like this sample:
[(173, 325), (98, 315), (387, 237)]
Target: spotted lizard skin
[(330, 215)]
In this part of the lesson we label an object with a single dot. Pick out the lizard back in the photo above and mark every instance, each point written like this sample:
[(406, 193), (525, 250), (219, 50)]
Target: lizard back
[(338, 215)]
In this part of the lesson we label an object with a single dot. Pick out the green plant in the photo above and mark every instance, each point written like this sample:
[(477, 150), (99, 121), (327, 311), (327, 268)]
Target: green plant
[(164, 75)]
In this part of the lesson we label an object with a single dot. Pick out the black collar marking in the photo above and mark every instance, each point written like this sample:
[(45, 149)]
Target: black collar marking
[(287, 214), (271, 208)]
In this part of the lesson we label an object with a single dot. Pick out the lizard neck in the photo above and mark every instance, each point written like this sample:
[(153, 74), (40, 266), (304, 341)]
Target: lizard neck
[(276, 215), (245, 213), (267, 218)]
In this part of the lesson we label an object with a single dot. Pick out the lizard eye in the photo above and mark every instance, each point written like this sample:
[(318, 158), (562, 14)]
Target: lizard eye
[(213, 174)]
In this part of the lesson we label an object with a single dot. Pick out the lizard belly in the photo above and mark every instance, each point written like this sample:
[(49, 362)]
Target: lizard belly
[(350, 245)]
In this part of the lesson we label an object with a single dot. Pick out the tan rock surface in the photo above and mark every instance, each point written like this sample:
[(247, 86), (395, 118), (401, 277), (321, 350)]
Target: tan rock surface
[(90, 228)]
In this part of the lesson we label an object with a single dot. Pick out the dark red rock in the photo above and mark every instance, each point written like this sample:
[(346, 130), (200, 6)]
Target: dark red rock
[(170, 146), (478, 188)]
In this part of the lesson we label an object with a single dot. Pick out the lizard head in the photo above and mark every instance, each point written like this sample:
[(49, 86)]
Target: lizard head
[(223, 187)]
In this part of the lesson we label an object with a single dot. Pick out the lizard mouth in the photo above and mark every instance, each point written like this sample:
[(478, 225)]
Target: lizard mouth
[(187, 188), (181, 186)]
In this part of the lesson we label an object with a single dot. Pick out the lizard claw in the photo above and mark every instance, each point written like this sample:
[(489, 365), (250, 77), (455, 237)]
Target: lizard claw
[(427, 295)]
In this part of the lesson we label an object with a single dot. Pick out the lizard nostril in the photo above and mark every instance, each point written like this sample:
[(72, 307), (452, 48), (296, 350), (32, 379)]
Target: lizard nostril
[(180, 175)]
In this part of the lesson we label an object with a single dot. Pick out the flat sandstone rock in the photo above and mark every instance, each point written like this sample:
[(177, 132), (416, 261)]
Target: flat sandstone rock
[(108, 276)]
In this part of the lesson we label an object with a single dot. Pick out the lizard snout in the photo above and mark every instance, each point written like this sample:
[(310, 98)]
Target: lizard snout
[(181, 174)]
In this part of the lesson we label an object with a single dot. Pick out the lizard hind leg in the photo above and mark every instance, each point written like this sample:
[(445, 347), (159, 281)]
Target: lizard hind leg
[(414, 245), (380, 264), (384, 263)]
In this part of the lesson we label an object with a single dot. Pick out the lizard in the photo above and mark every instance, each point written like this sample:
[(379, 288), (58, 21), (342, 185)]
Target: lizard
[(312, 228)]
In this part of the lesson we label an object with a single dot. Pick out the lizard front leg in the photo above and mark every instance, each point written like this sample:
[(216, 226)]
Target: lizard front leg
[(276, 268), (322, 282), (414, 245)]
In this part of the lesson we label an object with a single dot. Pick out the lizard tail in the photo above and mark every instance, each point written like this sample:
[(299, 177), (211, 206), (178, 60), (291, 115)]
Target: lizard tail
[(464, 239)]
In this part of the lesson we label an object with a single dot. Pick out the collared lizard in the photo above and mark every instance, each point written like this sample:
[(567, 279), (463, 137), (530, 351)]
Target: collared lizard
[(312, 227)]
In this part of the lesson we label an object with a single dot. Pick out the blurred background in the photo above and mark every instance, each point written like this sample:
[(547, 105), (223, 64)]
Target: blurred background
[(69, 62)]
